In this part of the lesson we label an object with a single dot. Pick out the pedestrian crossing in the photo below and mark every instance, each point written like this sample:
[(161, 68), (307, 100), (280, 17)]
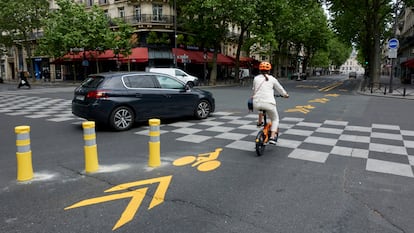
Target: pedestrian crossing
[(50, 109), (384, 148)]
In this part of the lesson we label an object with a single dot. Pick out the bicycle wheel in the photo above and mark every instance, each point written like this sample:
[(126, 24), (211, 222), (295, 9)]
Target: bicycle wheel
[(260, 145)]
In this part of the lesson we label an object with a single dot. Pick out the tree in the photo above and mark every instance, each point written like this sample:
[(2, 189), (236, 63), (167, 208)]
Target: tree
[(366, 24), (208, 20), (72, 26), (20, 23)]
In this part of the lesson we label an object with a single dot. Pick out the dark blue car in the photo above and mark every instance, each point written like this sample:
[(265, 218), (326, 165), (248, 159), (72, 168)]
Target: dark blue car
[(119, 99)]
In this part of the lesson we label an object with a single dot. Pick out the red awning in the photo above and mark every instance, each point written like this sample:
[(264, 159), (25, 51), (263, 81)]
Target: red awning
[(409, 63), (138, 55), (197, 57)]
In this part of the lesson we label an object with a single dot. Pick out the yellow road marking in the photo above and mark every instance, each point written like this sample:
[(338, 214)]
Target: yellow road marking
[(319, 100), (136, 197), (332, 95), (330, 87), (303, 109)]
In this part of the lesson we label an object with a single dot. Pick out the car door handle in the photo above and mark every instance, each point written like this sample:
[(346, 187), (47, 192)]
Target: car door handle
[(168, 96), (138, 95)]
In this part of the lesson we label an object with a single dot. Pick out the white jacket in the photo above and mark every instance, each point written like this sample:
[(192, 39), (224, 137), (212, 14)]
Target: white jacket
[(263, 91)]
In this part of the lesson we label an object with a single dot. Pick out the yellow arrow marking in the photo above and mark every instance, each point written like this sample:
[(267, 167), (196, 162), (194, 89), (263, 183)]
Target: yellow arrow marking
[(319, 100), (332, 95), (303, 109), (136, 197)]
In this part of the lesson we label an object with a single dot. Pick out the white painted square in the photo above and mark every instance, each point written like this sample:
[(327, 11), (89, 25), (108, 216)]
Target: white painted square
[(383, 126), (388, 149), (389, 167), (181, 124), (211, 123), (242, 145), (355, 138), (329, 122), (294, 119), (298, 132), (219, 129), (231, 136), (309, 155), (321, 141), (309, 124), (193, 138), (407, 132), (186, 130), (231, 117), (285, 126), (387, 136), (409, 144), (281, 142), (339, 150), (239, 122), (329, 130), (411, 159)]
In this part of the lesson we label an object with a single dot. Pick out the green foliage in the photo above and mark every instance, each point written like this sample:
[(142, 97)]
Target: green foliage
[(71, 26), (19, 19)]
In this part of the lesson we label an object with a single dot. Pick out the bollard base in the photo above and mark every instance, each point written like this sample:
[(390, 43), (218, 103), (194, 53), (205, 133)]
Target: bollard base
[(154, 154), (91, 158), (24, 166)]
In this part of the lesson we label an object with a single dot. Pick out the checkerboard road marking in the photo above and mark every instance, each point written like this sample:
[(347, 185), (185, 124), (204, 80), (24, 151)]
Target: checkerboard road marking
[(377, 144)]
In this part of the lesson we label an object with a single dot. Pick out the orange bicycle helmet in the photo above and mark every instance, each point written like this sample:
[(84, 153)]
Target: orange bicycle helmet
[(265, 66)]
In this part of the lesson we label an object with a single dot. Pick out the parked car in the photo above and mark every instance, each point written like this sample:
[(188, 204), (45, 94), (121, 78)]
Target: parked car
[(119, 99), (178, 73), (352, 75)]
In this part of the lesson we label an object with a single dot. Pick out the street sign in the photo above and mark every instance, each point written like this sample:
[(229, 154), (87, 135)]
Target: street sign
[(392, 53), (393, 43)]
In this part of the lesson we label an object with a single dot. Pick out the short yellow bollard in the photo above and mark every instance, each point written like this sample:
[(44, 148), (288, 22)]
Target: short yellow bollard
[(23, 154), (90, 148), (154, 143)]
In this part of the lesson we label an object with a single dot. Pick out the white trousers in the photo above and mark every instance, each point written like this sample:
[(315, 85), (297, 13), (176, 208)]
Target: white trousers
[(271, 112)]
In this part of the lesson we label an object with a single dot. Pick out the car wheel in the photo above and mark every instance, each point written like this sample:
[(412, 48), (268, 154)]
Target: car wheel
[(203, 109), (122, 118), (190, 84)]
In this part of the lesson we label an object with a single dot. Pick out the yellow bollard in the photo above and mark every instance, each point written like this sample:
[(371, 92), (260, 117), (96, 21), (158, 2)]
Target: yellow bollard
[(90, 148), (23, 154), (154, 143)]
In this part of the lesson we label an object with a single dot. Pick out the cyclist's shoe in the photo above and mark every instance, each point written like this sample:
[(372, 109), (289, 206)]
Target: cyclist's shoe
[(272, 141), (259, 124)]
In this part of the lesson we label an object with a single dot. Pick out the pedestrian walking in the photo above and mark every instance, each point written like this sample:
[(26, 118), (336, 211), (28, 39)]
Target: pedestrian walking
[(46, 75), (24, 75)]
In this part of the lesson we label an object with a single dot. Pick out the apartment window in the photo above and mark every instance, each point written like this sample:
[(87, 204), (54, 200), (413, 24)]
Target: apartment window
[(121, 12), (137, 13), (89, 2), (103, 2), (156, 12)]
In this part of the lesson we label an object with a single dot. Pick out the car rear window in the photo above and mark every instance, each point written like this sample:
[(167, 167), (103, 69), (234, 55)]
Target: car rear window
[(92, 81)]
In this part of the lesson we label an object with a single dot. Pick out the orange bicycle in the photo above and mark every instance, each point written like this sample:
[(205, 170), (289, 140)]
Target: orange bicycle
[(262, 137)]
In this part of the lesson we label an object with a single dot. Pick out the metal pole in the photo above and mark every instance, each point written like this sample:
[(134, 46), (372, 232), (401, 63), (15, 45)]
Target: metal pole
[(395, 34)]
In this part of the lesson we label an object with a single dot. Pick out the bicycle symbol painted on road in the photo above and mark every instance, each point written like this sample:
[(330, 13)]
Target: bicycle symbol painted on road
[(204, 162)]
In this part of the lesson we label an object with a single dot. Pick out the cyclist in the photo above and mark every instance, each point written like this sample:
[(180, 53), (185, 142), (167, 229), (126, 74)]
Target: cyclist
[(264, 86)]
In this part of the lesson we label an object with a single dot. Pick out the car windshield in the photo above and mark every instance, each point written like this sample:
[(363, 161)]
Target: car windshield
[(92, 81)]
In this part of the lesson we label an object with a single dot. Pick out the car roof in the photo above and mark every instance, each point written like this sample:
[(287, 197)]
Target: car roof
[(118, 73)]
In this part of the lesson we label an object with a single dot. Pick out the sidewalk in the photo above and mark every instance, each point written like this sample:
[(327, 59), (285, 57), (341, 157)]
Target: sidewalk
[(403, 91)]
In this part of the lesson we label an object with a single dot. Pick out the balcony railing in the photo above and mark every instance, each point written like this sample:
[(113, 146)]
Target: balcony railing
[(149, 19)]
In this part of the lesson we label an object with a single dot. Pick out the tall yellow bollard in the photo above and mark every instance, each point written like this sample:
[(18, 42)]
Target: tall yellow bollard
[(90, 148), (23, 154), (154, 143)]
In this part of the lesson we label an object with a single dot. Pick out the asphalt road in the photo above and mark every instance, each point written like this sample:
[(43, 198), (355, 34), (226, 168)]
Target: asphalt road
[(343, 163)]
